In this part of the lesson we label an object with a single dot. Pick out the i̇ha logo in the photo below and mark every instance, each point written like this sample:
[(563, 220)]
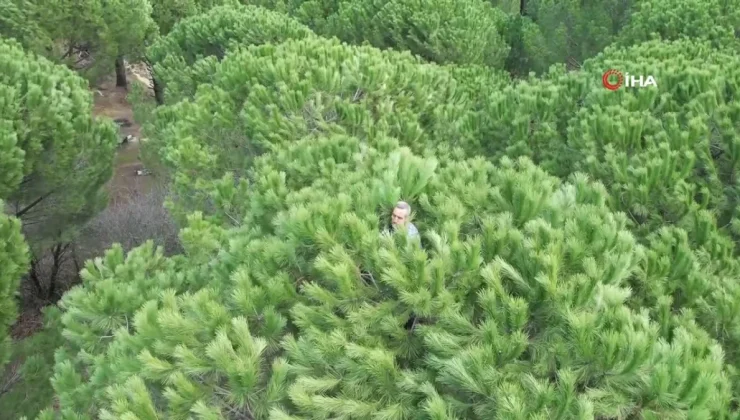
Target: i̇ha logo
[(614, 79)]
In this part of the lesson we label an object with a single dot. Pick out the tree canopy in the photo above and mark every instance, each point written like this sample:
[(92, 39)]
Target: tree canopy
[(532, 296), (716, 21), (441, 31), (354, 90), (185, 57), (55, 160), (57, 154), (578, 251), (46, 135), (65, 30), (495, 318)]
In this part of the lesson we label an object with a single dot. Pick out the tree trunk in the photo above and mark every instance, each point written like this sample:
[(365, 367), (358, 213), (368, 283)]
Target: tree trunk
[(34, 276), (76, 260), (19, 213), (156, 84), (523, 7), (158, 91), (121, 73), (57, 253)]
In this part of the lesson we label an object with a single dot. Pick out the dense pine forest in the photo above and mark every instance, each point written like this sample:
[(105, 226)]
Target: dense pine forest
[(578, 247)]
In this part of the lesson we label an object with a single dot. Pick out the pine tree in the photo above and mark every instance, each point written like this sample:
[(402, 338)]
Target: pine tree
[(661, 151), (14, 262), (104, 30), (186, 56), (574, 31), (578, 253), (19, 19), (166, 13), (714, 20), (56, 158), (517, 306), (31, 390), (440, 31), (261, 97)]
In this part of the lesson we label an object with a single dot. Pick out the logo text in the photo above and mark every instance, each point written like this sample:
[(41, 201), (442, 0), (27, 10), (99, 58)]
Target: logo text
[(614, 79)]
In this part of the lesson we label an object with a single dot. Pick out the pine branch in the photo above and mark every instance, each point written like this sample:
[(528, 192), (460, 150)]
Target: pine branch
[(25, 210)]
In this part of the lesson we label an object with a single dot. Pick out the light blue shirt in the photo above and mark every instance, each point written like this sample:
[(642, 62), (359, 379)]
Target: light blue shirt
[(412, 231)]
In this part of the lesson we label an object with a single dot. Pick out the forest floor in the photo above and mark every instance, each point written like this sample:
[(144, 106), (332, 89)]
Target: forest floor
[(111, 101)]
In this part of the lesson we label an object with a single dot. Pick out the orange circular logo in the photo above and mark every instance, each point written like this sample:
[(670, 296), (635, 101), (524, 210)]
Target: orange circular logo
[(612, 85)]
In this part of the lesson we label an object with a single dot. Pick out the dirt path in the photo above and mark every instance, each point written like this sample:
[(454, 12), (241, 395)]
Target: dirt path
[(110, 101)]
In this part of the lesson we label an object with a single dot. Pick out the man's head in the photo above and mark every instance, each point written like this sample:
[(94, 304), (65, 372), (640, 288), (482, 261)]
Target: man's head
[(401, 214)]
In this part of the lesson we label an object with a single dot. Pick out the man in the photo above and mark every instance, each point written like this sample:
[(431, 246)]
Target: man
[(400, 218)]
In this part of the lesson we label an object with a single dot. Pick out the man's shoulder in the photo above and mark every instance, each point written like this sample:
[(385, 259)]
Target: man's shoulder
[(412, 230)]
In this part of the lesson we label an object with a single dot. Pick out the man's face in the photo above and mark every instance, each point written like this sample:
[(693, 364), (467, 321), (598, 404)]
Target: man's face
[(398, 218)]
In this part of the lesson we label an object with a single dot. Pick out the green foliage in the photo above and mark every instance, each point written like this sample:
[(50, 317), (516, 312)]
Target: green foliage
[(19, 19), (33, 392), (510, 7), (520, 303), (128, 25), (55, 159), (667, 157), (313, 13), (107, 29), (262, 97), (14, 261), (12, 156), (515, 306), (528, 51), (186, 57), (717, 21), (166, 13), (441, 31), (573, 31), (578, 252), (477, 82), (661, 151), (58, 156)]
